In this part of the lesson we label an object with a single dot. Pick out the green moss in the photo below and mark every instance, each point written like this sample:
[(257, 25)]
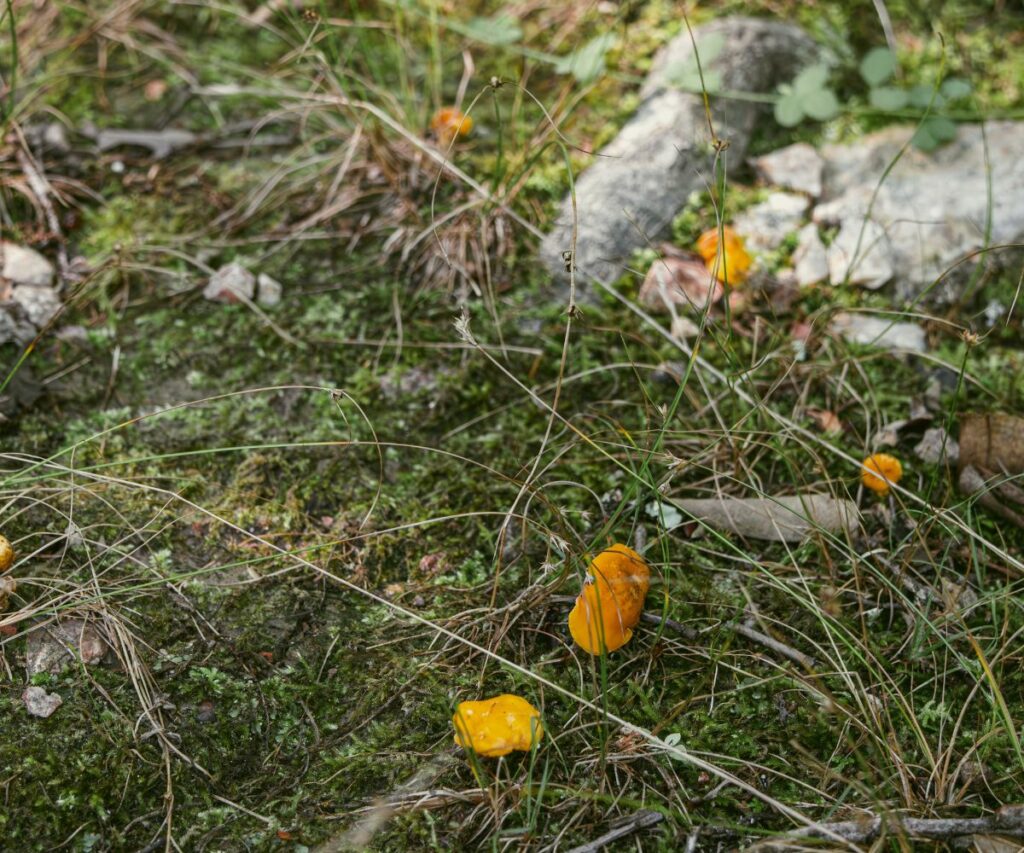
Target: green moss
[(304, 701)]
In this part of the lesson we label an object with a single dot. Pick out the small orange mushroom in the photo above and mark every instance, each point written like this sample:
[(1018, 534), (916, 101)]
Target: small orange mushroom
[(609, 607), (497, 726), (450, 123), (6, 553), (734, 262), (880, 470)]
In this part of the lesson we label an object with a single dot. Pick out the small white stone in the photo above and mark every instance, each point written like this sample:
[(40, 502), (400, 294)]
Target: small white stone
[(764, 226), (22, 265), (810, 259), (683, 328), (269, 290), (795, 167), (14, 328), (232, 283), (860, 254), (39, 703), (879, 331), (40, 304)]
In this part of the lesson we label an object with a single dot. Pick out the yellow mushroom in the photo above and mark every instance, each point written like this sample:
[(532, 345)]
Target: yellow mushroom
[(497, 726), (734, 262), (880, 470), (6, 553), (609, 607), (449, 123)]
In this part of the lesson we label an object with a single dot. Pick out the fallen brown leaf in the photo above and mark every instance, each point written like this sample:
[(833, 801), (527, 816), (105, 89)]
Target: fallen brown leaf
[(679, 281), (992, 443), (779, 519)]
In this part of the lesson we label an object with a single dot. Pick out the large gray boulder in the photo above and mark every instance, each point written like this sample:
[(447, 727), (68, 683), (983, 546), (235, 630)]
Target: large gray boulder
[(642, 179)]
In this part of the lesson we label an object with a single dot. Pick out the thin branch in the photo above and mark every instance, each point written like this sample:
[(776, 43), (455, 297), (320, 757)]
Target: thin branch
[(641, 820)]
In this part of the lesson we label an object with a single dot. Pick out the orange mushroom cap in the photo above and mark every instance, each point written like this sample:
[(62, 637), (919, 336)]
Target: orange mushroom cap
[(612, 600), (497, 726), (6, 553), (880, 470), (734, 262), (449, 123)]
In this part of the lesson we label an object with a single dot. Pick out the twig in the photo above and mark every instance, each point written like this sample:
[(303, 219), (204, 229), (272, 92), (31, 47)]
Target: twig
[(776, 646), (972, 482), (1008, 820), (42, 190), (641, 820)]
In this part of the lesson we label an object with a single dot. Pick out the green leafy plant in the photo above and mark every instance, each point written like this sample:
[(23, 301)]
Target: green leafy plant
[(499, 30), (588, 62), (877, 69), (809, 96)]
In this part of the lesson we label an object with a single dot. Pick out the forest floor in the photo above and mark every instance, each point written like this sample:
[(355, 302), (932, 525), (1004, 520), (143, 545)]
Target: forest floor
[(307, 531)]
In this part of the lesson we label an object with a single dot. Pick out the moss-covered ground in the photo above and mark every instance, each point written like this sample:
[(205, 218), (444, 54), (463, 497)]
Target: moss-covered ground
[(280, 517)]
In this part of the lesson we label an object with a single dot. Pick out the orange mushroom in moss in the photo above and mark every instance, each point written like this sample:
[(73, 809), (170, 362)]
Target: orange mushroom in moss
[(733, 263), (609, 607), (449, 123), (497, 726), (879, 472), (6, 553)]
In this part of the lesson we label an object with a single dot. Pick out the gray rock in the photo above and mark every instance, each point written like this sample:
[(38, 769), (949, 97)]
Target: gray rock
[(810, 260), (878, 331), (15, 327), (932, 205), (39, 703), (795, 167), (861, 253), (55, 138), (630, 194), (683, 328), (269, 290), (230, 284), (49, 648), (40, 303), (764, 226), (22, 265)]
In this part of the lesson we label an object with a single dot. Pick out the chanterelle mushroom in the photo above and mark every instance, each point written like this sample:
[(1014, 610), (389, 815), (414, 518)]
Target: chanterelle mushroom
[(6, 553), (734, 262), (497, 726), (612, 600), (879, 472), (450, 123)]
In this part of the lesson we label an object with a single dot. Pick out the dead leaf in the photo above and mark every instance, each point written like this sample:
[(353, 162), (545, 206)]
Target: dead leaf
[(995, 844), (936, 446), (154, 90), (679, 281), (827, 421), (777, 519), (992, 443), (972, 482)]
